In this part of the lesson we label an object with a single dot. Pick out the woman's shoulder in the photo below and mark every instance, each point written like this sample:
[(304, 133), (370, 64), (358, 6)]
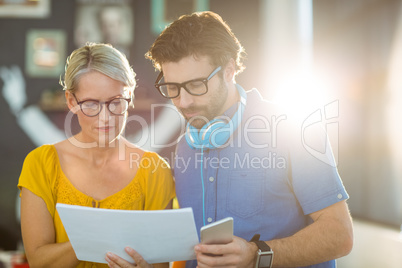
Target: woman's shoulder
[(151, 154), (153, 164), (41, 159), (65, 147), (42, 152), (155, 157)]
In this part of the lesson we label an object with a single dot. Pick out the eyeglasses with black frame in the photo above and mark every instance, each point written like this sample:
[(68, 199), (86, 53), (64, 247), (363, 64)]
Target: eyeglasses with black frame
[(195, 87), (117, 106)]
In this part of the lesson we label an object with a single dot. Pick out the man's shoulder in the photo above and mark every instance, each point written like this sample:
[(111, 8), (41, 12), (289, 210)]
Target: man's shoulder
[(257, 104), (182, 147)]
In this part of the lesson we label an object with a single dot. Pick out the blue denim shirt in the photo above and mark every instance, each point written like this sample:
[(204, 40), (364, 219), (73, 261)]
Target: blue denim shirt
[(263, 177)]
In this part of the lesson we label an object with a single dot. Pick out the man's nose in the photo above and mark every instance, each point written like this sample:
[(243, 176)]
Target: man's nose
[(185, 99)]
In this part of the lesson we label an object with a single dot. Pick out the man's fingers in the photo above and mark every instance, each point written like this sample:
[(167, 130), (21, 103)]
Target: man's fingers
[(212, 249)]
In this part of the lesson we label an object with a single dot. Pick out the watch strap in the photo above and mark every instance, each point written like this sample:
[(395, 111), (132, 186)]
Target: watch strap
[(256, 237), (263, 249), (262, 246)]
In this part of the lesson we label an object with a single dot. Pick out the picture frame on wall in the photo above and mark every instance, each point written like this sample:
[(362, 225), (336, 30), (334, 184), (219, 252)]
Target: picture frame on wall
[(163, 12), (45, 53), (24, 9), (106, 21)]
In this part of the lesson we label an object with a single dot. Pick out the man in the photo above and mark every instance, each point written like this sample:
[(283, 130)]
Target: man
[(245, 158)]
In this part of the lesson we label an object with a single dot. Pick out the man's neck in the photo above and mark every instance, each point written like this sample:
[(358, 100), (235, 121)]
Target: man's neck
[(233, 97)]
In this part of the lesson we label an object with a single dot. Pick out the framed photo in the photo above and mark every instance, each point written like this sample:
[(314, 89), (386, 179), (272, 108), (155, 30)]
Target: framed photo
[(163, 12), (106, 21), (24, 8), (45, 53)]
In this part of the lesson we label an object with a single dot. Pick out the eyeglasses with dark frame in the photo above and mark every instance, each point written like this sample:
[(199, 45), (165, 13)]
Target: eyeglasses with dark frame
[(195, 87), (91, 108)]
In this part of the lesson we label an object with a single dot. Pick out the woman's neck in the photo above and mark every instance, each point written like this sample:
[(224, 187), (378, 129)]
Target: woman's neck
[(97, 153)]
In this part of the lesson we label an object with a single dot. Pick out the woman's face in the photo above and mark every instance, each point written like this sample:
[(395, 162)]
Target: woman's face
[(105, 127)]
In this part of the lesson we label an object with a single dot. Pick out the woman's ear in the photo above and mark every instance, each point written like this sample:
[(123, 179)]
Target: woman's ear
[(230, 70), (70, 100), (131, 94)]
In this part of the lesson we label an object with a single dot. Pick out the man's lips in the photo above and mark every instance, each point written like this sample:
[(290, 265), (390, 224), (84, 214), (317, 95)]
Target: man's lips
[(190, 114)]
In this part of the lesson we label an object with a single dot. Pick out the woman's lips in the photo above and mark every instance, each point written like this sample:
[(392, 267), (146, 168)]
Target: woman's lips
[(104, 128)]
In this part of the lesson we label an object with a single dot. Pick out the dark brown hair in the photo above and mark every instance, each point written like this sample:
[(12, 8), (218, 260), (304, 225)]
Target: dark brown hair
[(198, 34)]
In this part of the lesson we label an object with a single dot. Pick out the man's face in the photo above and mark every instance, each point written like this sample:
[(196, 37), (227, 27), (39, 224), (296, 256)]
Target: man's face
[(198, 110)]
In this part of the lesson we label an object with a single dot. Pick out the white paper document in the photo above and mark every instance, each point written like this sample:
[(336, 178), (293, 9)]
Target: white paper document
[(158, 235)]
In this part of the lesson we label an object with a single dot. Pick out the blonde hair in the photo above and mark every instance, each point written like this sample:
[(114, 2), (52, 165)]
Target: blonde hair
[(98, 57)]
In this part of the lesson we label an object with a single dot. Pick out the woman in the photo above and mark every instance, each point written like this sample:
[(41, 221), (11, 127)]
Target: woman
[(93, 168)]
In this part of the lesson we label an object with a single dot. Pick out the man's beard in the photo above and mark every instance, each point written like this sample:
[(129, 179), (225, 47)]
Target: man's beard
[(198, 121), (210, 111)]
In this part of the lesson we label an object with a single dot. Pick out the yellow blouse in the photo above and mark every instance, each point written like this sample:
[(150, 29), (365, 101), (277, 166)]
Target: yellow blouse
[(152, 187)]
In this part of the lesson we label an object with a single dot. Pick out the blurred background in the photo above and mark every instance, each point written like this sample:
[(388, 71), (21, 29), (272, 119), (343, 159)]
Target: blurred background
[(340, 59)]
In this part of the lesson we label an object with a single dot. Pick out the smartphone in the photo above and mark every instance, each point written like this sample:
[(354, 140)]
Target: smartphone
[(219, 232)]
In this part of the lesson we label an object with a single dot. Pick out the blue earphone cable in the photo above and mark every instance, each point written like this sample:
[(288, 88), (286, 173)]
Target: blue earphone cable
[(202, 183), (197, 139)]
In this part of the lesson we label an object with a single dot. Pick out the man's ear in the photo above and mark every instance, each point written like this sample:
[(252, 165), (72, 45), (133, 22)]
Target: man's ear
[(71, 102), (229, 71)]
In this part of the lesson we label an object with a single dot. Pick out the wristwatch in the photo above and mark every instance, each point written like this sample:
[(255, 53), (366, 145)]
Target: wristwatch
[(265, 254)]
